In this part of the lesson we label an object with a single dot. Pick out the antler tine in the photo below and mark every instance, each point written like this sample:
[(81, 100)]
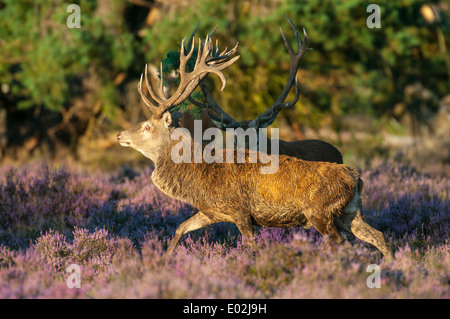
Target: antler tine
[(147, 102), (210, 34), (297, 35), (224, 54), (219, 66), (268, 118), (305, 39), (295, 99), (161, 82), (204, 51), (192, 35), (185, 58), (158, 99), (222, 122), (216, 51), (287, 44)]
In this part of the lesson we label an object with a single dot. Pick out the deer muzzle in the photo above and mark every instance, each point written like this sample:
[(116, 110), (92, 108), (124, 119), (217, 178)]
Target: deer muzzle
[(122, 141)]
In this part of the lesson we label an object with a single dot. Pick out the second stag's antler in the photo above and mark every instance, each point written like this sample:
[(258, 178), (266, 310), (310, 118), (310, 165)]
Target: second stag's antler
[(209, 60), (224, 121), (310, 150)]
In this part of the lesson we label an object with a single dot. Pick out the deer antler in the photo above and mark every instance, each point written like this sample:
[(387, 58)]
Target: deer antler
[(205, 63), (224, 120)]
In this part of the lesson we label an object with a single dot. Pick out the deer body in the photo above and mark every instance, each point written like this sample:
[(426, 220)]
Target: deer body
[(288, 198), (309, 150), (323, 195), (326, 196)]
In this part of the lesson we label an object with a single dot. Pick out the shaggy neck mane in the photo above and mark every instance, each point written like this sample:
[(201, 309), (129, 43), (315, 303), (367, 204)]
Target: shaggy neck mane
[(179, 179), (182, 180)]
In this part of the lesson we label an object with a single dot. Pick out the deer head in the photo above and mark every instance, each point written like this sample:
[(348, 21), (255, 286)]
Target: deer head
[(152, 137)]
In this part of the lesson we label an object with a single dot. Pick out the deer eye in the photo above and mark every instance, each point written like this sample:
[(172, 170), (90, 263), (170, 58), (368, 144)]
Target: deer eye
[(147, 127)]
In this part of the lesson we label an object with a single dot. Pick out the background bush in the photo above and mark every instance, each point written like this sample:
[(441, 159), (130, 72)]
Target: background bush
[(73, 80)]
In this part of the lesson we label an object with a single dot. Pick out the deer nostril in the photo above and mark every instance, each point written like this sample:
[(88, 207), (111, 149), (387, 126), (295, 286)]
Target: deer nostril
[(119, 137)]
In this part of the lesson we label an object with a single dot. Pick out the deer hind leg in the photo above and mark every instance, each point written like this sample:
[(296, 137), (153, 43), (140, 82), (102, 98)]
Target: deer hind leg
[(244, 224), (354, 223), (328, 230), (197, 221)]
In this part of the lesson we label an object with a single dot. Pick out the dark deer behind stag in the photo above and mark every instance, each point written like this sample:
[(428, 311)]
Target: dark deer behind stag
[(323, 195)]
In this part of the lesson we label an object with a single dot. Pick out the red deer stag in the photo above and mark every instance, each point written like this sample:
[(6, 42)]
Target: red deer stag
[(326, 196), (309, 150)]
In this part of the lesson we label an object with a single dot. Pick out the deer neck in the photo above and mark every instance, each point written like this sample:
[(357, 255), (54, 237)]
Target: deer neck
[(177, 179)]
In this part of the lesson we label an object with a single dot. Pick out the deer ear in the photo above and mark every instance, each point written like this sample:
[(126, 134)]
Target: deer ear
[(167, 119)]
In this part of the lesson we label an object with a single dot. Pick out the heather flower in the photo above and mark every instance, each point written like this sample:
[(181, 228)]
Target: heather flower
[(95, 247), (31, 204), (6, 256), (54, 249), (117, 226)]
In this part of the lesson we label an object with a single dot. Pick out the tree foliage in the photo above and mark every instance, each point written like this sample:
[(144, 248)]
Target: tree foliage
[(43, 61), (353, 69)]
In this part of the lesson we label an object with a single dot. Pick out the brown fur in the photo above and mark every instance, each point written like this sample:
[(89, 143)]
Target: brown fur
[(187, 121), (285, 188)]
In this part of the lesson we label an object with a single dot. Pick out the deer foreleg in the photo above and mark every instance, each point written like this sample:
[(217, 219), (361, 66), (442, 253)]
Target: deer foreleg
[(197, 221)]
